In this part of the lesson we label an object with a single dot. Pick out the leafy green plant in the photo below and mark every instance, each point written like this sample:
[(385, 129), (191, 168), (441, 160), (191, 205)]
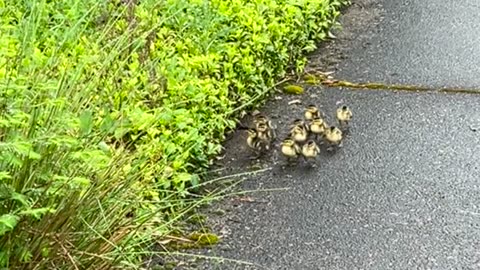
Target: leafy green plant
[(111, 110)]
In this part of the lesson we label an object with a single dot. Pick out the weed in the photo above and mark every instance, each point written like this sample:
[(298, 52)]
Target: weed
[(111, 110)]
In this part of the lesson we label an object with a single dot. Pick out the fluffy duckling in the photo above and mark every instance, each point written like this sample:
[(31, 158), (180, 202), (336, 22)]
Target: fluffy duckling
[(252, 139), (300, 123), (260, 119), (254, 142), (318, 127), (290, 148), (312, 112), (265, 135), (333, 136), (344, 115), (299, 134), (310, 150)]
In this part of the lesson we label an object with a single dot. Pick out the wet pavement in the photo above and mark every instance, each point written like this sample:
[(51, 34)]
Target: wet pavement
[(404, 191)]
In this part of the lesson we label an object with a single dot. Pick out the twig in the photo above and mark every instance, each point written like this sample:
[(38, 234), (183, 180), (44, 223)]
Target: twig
[(88, 253), (68, 254), (258, 96)]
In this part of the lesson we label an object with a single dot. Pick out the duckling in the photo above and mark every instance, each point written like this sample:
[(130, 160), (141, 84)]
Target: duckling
[(265, 135), (300, 123), (290, 148), (318, 127), (253, 141), (262, 119), (333, 136), (344, 115), (310, 150), (299, 134), (252, 138), (312, 112)]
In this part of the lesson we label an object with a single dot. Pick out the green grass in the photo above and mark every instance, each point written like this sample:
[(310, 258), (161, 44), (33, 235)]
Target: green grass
[(110, 111)]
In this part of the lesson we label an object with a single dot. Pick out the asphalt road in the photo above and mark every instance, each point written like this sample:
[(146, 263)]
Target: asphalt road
[(404, 191), (428, 42)]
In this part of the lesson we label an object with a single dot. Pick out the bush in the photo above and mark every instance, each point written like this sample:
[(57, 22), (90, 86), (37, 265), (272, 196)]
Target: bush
[(110, 110)]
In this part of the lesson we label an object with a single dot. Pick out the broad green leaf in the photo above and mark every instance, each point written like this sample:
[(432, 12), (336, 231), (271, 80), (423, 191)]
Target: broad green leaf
[(104, 147), (81, 181), (34, 155), (20, 198), (4, 256), (25, 149), (194, 180), (107, 124), (5, 175), (8, 223), (182, 178), (86, 122)]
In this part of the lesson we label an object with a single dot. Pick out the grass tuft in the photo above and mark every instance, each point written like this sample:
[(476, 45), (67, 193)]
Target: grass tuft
[(110, 112)]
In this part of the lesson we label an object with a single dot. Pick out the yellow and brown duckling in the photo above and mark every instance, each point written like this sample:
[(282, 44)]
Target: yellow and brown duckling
[(260, 120), (252, 139), (333, 136), (310, 150), (312, 112), (255, 143), (290, 148), (344, 116), (318, 127), (301, 123), (265, 135), (299, 134)]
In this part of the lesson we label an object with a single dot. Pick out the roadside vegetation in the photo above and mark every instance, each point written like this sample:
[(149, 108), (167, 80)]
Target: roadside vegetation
[(110, 111)]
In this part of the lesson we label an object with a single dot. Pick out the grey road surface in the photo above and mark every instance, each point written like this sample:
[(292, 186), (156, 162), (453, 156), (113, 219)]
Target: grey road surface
[(404, 191), (429, 42)]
